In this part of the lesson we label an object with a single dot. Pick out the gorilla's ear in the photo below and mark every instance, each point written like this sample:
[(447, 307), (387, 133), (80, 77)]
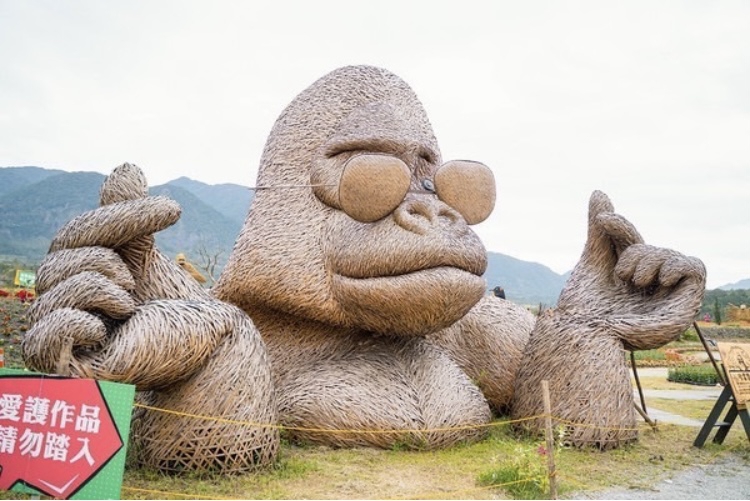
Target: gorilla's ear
[(468, 187)]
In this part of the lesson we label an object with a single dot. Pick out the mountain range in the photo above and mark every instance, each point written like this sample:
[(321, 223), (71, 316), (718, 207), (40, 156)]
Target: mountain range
[(35, 202), (741, 285)]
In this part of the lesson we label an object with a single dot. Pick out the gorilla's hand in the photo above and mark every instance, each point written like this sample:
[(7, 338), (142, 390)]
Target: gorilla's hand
[(97, 285), (645, 295)]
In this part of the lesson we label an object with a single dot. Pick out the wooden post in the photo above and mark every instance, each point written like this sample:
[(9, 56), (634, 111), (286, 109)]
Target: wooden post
[(550, 441), (66, 353), (719, 373), (638, 381), (645, 416)]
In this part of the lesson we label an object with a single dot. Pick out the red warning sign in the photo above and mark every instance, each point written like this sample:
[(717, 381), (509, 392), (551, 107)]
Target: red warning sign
[(55, 433)]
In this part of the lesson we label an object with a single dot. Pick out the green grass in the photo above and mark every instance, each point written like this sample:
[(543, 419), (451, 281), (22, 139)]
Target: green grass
[(461, 472), (649, 355)]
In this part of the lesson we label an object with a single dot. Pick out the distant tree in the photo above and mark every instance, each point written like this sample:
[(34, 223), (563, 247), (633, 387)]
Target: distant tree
[(717, 312), (737, 297), (208, 262)]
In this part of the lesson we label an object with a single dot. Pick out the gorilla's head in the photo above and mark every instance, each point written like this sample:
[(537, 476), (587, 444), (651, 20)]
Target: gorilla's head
[(357, 222)]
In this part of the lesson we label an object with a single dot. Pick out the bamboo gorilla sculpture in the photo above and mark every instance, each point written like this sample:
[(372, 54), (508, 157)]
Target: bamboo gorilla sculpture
[(362, 278)]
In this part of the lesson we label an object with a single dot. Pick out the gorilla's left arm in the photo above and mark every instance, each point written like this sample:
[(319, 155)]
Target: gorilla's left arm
[(622, 295), (645, 295)]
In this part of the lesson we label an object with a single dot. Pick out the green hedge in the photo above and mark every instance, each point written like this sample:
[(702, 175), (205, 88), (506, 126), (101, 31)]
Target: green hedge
[(693, 374)]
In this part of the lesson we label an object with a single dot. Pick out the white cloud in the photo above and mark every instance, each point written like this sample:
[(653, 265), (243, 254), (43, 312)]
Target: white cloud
[(645, 101)]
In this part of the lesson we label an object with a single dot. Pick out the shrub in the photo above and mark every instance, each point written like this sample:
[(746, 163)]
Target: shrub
[(694, 374), (524, 476), (690, 335)]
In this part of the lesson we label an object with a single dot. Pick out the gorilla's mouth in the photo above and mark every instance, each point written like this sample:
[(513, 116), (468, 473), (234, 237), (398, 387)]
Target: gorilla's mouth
[(429, 275), (415, 303), (414, 265)]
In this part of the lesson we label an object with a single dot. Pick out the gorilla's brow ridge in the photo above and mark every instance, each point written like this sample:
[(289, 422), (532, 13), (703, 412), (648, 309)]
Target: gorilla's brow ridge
[(381, 145)]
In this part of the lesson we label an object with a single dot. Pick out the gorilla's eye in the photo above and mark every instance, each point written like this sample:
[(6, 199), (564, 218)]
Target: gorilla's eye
[(372, 186), (468, 187)]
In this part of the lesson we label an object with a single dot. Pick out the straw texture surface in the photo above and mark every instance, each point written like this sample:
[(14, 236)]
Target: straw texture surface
[(344, 296), (113, 308), (622, 295), (487, 344)]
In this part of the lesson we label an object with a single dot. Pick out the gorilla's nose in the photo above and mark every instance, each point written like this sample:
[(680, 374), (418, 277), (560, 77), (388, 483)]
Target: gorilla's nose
[(426, 214)]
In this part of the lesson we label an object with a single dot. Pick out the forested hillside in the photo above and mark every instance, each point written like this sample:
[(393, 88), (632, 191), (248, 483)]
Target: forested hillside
[(524, 282), (723, 299), (32, 212), (231, 200), (200, 229), (13, 178)]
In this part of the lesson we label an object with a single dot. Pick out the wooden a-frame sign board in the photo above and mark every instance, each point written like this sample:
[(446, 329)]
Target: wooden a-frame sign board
[(735, 357)]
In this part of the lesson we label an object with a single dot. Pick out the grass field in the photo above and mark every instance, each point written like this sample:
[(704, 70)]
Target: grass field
[(318, 472)]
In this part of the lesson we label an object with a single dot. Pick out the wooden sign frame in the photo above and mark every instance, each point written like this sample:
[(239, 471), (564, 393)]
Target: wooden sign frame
[(735, 358)]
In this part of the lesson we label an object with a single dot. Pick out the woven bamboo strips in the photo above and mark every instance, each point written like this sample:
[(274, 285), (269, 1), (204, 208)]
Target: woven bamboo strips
[(622, 295), (134, 316)]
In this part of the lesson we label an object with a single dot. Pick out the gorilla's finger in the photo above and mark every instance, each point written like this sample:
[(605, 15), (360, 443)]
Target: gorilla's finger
[(89, 291), (599, 203), (641, 264), (619, 230), (65, 263), (627, 263), (126, 182), (647, 270), (44, 343), (678, 266), (117, 224)]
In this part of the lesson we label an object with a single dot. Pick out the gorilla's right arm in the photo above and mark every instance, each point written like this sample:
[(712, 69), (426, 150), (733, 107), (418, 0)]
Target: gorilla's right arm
[(122, 308)]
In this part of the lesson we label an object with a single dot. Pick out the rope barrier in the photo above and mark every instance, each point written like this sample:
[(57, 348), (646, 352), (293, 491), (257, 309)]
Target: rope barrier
[(557, 419), (586, 425), (161, 494), (281, 427)]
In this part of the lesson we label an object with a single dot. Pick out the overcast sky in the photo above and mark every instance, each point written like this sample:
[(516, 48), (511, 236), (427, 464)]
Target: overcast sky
[(647, 101)]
